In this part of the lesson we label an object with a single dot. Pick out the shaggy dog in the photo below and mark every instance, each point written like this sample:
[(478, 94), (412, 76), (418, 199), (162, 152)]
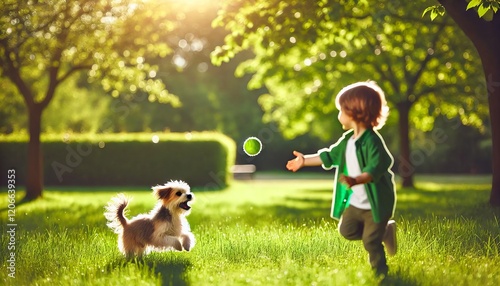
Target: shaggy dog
[(165, 227)]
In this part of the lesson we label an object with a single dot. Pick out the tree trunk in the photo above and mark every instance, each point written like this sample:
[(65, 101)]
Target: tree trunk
[(34, 180), (405, 168), (490, 57), (494, 102), (491, 67), (484, 36)]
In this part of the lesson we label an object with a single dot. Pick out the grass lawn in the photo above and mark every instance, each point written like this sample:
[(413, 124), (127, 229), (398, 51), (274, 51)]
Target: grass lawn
[(274, 230)]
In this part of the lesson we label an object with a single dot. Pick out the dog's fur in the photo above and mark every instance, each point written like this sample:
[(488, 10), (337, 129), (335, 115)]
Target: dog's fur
[(165, 227)]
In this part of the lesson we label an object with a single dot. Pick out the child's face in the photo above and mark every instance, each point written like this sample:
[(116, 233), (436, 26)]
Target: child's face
[(346, 121)]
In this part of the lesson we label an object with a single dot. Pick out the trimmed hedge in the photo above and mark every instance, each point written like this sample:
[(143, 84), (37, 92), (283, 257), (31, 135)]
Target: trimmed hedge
[(200, 159)]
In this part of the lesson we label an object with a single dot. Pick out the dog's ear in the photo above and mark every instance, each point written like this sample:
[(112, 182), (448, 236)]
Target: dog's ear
[(163, 193)]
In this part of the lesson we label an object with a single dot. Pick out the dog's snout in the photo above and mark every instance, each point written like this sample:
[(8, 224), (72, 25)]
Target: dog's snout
[(189, 196)]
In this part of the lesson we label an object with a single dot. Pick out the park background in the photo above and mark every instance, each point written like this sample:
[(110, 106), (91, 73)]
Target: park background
[(218, 78), (448, 129)]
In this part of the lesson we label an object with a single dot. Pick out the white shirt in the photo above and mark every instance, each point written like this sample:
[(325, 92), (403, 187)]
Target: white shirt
[(359, 198)]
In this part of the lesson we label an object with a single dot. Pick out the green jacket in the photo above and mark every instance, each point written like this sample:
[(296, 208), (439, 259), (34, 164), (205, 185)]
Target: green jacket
[(375, 159)]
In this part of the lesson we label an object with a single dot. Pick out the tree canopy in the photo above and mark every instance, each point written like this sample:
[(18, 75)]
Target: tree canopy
[(306, 52), (45, 42)]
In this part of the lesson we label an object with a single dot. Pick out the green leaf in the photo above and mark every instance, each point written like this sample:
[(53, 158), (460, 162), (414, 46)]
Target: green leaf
[(473, 3), (428, 9), (436, 10), (441, 10), (434, 14), (483, 8)]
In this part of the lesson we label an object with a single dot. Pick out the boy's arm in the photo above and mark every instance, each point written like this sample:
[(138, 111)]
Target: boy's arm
[(312, 160), (359, 180), (302, 160)]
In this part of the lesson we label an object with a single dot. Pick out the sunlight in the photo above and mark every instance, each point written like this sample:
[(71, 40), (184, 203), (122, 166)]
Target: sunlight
[(195, 2), (189, 2)]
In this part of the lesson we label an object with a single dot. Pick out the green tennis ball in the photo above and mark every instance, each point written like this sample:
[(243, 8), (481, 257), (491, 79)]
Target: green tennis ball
[(252, 146)]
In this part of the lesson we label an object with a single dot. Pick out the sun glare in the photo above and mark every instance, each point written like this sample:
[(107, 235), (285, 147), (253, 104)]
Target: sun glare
[(192, 2)]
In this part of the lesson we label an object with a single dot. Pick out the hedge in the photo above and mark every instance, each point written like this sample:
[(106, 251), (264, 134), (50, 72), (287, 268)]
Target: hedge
[(201, 159)]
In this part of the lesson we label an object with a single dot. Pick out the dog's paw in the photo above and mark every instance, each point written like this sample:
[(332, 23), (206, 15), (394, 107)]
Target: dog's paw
[(186, 245), (177, 245), (188, 241)]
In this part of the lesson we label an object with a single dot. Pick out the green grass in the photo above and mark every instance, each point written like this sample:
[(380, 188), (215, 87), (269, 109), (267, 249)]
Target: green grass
[(262, 232)]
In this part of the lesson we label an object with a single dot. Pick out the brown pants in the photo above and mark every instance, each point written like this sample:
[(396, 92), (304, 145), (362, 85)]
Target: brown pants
[(358, 224)]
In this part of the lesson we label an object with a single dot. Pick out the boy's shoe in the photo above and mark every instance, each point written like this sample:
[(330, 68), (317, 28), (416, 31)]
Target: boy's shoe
[(390, 242), (382, 271)]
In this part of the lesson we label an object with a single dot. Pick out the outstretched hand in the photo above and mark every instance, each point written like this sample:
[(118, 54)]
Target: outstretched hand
[(295, 164)]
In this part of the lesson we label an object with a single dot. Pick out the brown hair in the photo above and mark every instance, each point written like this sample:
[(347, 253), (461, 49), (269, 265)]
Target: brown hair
[(364, 102)]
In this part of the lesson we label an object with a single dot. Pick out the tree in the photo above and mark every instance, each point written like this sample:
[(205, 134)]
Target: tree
[(481, 26), (45, 42), (417, 64), (306, 51)]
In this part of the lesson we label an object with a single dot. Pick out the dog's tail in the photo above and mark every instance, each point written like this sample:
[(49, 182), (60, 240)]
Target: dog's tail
[(115, 213)]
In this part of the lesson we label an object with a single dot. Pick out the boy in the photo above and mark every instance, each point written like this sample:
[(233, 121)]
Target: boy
[(364, 196)]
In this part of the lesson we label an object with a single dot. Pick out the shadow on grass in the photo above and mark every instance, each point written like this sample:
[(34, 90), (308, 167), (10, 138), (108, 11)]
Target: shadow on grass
[(171, 273), (398, 279), (71, 217), (418, 203), (16, 204), (171, 270), (411, 204)]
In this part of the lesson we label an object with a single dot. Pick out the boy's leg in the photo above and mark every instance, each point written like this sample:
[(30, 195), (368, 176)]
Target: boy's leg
[(351, 223), (372, 240)]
